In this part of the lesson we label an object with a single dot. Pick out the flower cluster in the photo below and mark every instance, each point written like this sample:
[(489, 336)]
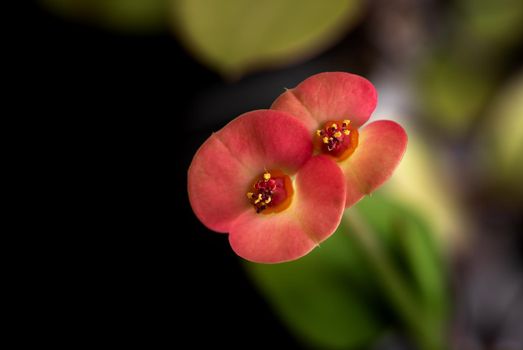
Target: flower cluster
[(278, 180)]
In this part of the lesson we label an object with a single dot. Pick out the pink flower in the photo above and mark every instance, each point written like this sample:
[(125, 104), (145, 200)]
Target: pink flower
[(334, 106), (257, 180)]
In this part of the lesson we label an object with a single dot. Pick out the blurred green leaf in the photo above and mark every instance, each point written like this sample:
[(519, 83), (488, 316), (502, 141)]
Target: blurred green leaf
[(321, 296), (503, 136), (234, 36), (492, 24), (126, 15), (411, 245), (425, 266), (334, 298), (459, 77), (420, 181), (454, 91)]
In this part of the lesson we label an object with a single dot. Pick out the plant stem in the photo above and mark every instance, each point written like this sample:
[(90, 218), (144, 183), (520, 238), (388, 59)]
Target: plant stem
[(398, 293)]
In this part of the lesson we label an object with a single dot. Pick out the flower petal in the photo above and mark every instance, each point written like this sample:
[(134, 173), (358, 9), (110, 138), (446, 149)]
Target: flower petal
[(313, 216), (227, 163), (217, 185), (320, 188), (267, 139), (329, 96), (380, 149)]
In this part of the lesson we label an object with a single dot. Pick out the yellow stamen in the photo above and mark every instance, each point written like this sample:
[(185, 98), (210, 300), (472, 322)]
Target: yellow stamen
[(259, 199), (346, 132), (325, 139), (319, 132), (346, 122), (334, 126), (268, 200), (337, 134), (249, 195), (267, 176)]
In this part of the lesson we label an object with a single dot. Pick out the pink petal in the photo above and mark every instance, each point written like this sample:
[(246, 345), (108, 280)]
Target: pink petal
[(380, 149), (329, 96), (225, 166), (217, 183), (267, 139), (313, 216)]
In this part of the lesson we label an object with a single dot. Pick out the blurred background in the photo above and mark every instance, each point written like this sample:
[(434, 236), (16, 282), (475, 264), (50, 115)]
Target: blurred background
[(154, 78)]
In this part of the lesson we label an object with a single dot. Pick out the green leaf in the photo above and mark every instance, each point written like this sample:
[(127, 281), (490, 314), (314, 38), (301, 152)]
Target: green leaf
[(420, 181), (411, 247), (335, 297), (454, 91), (502, 137), (235, 36), (493, 24), (325, 296), (125, 15)]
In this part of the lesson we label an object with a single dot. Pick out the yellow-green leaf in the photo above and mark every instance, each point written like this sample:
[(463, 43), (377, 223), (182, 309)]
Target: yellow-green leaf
[(422, 182), (502, 137), (326, 297), (453, 92), (235, 36), (334, 299), (125, 15)]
